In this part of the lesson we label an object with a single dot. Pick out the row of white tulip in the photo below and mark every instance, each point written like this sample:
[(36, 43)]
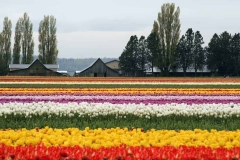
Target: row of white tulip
[(129, 83), (119, 110)]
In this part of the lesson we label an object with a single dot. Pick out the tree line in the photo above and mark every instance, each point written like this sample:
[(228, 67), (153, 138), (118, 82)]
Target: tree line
[(166, 50), (23, 48)]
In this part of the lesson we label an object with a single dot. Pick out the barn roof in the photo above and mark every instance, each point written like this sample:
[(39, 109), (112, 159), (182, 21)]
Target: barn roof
[(94, 64), (29, 65), (89, 66), (24, 66), (112, 61)]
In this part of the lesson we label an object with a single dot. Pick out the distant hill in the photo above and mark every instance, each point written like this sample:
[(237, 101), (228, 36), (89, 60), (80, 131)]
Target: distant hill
[(71, 65)]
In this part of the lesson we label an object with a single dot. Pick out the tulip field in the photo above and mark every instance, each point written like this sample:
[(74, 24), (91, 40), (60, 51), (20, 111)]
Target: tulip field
[(63, 118)]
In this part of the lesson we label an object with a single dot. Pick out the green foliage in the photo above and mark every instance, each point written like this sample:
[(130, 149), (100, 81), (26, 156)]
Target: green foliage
[(189, 49), (198, 52), (171, 122), (212, 54), (154, 48), (142, 55), (235, 50), (2, 64), (5, 46), (27, 39), (169, 31), (183, 56), (6, 35), (190, 53), (223, 54), (47, 47), (17, 43), (128, 59)]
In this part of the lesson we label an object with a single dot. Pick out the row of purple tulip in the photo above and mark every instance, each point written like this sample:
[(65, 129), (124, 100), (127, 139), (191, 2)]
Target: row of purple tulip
[(121, 99)]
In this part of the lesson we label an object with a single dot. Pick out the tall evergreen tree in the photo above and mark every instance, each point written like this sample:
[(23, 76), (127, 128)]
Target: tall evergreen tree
[(17, 42), (27, 40), (169, 31), (153, 46), (235, 49), (181, 56), (198, 52), (184, 52), (47, 47), (128, 59), (213, 59), (219, 56), (224, 53), (142, 55)]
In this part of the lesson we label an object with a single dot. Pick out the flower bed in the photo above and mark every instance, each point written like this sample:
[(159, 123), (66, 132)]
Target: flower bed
[(49, 143), (154, 118)]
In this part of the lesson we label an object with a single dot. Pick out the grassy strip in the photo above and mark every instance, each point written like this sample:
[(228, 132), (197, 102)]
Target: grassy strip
[(117, 86), (168, 122)]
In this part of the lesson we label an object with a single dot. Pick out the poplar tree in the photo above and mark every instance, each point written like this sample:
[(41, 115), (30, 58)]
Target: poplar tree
[(2, 66), (7, 33), (27, 40), (169, 32), (47, 47), (17, 42), (5, 46)]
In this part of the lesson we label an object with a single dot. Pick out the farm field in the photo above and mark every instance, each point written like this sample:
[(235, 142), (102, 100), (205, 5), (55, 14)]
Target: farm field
[(119, 118)]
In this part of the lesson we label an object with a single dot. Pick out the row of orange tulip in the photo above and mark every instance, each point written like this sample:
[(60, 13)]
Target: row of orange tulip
[(118, 91)]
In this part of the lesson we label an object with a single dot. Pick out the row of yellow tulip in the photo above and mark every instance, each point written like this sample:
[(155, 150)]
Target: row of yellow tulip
[(116, 136), (149, 91)]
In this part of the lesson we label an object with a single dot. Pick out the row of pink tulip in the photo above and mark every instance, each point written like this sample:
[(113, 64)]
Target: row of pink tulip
[(121, 99)]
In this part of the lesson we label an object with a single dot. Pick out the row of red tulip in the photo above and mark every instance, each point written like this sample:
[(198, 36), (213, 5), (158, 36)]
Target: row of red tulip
[(41, 152)]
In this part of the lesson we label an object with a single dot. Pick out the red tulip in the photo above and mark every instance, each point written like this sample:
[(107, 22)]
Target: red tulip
[(85, 158), (63, 154)]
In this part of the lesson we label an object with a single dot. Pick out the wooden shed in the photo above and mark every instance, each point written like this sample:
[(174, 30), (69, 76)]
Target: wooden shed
[(97, 69), (36, 68)]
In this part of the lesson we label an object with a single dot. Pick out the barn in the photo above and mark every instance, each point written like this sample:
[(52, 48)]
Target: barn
[(36, 68), (97, 69), (114, 64)]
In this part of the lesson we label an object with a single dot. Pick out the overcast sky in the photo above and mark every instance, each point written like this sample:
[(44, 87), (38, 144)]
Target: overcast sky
[(97, 29)]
